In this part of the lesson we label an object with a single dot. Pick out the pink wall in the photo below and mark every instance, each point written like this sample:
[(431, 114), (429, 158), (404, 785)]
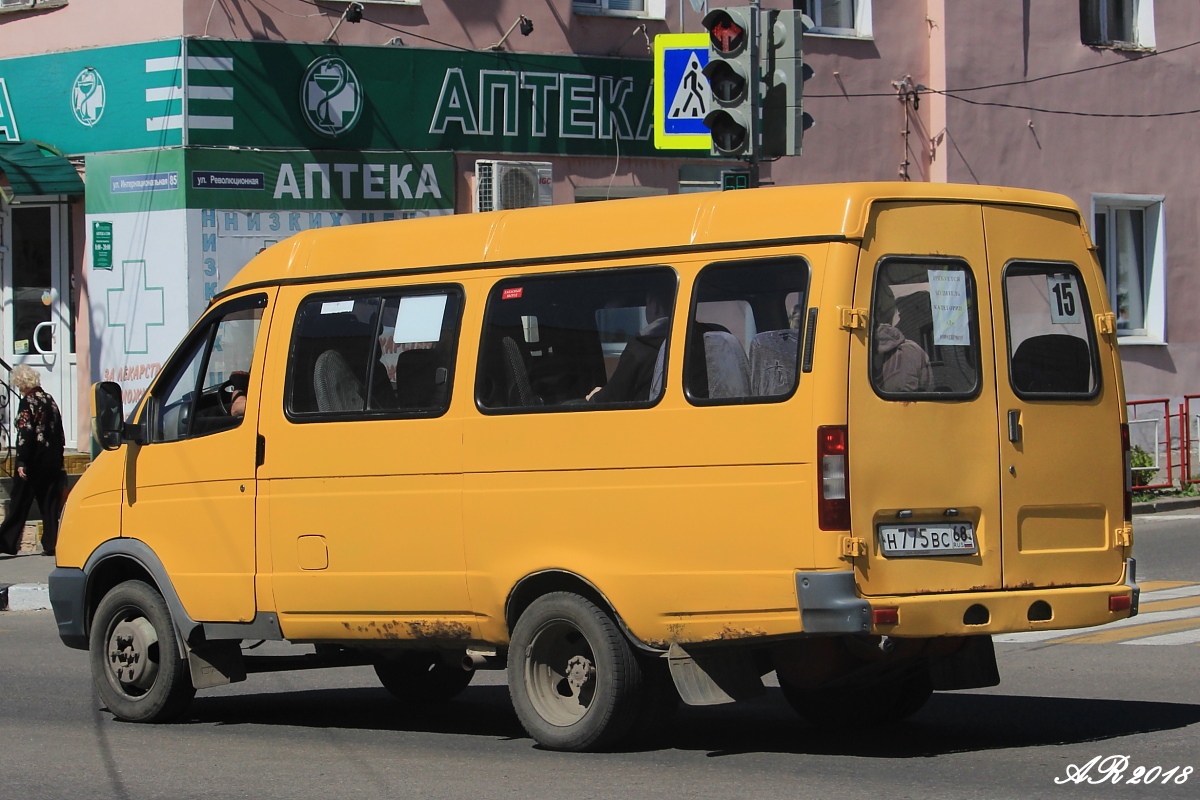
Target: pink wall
[(473, 24), (88, 23), (858, 120)]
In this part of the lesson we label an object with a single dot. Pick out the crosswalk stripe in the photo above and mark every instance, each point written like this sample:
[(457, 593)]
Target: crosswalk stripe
[(1190, 636), (1150, 625), (1175, 606), (1171, 603), (1149, 587)]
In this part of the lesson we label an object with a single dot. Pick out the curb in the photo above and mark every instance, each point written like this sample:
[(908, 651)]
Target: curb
[(1166, 504), (25, 597)]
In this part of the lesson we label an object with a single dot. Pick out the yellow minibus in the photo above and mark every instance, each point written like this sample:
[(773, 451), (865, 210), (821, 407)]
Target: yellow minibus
[(633, 452)]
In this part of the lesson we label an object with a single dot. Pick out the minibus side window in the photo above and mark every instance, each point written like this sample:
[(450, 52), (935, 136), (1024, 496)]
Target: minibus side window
[(209, 382), (924, 330), (744, 332), (359, 355), (575, 342), (1050, 339)]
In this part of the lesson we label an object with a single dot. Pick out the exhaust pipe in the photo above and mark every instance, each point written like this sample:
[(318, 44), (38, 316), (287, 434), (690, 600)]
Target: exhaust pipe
[(474, 659)]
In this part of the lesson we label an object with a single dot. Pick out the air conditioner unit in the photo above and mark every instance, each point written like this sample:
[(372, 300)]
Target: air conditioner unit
[(501, 185)]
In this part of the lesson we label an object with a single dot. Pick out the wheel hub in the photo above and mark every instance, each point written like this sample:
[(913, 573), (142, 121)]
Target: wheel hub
[(580, 671), (129, 648)]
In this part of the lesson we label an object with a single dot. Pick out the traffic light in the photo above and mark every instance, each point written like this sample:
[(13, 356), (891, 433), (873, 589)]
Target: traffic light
[(783, 117), (733, 77)]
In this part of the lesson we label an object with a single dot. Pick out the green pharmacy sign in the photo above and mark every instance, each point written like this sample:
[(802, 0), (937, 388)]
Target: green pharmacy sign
[(102, 245)]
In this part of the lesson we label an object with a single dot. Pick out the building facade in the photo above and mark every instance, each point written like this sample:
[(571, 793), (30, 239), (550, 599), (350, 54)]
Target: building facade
[(201, 131)]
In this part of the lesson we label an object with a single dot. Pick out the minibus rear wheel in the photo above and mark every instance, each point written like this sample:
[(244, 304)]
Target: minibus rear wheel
[(135, 658), (422, 679), (893, 699), (576, 684)]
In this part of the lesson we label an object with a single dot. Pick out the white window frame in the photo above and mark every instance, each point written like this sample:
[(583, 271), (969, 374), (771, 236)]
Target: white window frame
[(862, 22), (1142, 14), (10, 6), (1154, 293), (653, 9)]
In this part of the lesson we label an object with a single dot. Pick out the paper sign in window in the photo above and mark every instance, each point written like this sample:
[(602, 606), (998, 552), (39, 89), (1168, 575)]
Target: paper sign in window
[(338, 307), (420, 319), (948, 301), (1063, 294)]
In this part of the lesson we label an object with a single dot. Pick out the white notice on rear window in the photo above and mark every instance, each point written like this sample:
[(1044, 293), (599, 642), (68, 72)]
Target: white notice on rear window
[(420, 319), (337, 307), (1064, 299), (948, 300)]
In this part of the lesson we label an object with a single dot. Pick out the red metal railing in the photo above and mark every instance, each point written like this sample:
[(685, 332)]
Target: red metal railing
[(1187, 458), (1156, 416)]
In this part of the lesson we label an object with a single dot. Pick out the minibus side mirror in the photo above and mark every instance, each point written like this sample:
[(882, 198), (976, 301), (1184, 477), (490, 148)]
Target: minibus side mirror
[(108, 416)]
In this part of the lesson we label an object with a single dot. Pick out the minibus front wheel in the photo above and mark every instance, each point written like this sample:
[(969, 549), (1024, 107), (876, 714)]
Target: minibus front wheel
[(135, 660), (576, 684)]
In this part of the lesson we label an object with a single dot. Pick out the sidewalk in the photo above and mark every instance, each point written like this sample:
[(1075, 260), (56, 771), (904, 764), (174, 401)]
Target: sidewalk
[(23, 577)]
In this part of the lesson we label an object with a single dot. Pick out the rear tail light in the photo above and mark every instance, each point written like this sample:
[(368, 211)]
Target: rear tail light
[(886, 615), (833, 504), (1128, 457), (1120, 602)]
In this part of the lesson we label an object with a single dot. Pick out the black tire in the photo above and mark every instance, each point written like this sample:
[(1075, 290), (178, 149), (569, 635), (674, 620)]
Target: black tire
[(659, 704), (134, 654), (575, 682), (881, 703), (422, 679)]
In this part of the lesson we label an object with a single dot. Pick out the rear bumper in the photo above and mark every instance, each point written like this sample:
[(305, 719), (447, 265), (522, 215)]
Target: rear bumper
[(1009, 611)]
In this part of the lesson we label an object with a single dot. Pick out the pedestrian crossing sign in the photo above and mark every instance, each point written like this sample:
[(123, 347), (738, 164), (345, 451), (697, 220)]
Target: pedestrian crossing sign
[(681, 93)]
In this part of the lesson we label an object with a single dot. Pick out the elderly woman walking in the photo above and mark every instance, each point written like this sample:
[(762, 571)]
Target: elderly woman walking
[(40, 444)]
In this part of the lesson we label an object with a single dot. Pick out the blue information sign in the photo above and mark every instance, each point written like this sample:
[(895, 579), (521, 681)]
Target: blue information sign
[(681, 92)]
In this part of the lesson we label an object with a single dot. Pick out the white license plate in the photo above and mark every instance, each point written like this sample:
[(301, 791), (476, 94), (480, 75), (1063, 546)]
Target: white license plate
[(919, 539)]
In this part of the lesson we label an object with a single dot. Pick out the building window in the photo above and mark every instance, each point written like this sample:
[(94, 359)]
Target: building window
[(29, 5), (839, 17), (1117, 23), (1128, 231), (653, 9)]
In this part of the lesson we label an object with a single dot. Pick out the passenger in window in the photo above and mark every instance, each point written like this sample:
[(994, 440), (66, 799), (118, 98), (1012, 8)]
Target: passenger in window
[(635, 378), (900, 365)]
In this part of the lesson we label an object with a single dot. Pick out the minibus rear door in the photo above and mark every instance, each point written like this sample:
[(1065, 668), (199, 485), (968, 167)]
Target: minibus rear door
[(923, 423), (1062, 467)]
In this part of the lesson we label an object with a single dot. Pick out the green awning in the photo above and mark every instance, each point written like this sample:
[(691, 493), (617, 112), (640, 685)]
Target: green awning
[(32, 170)]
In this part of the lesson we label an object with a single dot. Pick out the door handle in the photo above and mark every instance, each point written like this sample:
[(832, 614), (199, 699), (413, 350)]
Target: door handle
[(1014, 426), (53, 339)]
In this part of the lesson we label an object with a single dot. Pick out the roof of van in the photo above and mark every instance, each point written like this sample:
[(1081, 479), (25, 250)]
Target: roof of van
[(701, 220)]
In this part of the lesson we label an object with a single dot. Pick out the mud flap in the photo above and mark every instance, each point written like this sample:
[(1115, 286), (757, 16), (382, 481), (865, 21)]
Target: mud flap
[(216, 664), (714, 678), (971, 667)]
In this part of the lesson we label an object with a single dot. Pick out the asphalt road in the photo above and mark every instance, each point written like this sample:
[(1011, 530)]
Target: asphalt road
[(335, 733)]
